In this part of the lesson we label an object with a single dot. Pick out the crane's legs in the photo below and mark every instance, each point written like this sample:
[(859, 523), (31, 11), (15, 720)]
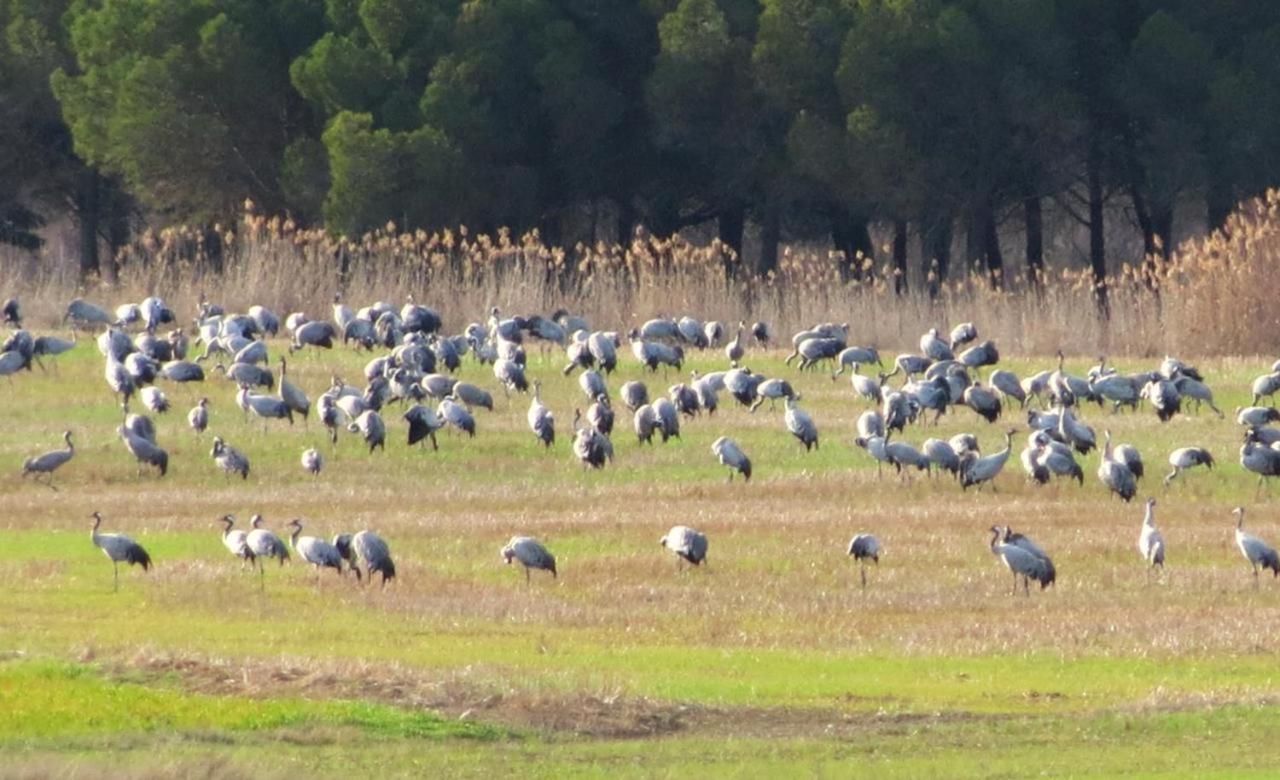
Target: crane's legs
[(115, 565), (528, 580), (864, 575)]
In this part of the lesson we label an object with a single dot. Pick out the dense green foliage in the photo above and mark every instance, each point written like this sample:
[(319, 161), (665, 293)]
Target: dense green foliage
[(809, 117)]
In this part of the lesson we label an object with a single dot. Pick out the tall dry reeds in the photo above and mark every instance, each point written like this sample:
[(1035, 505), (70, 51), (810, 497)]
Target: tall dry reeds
[(1217, 294)]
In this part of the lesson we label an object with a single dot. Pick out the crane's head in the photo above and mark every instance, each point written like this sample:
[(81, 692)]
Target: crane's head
[(1239, 514), (296, 523), (255, 521), (1151, 502)]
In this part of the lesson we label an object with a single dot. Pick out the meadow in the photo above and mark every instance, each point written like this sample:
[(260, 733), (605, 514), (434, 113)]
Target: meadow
[(768, 660)]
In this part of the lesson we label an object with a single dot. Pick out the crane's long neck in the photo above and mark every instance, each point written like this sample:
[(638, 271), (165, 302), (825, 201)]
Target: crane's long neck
[(995, 538), (97, 521), (1239, 520), (1149, 519), (293, 537)]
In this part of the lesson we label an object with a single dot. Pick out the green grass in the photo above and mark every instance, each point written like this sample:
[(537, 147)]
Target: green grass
[(934, 670)]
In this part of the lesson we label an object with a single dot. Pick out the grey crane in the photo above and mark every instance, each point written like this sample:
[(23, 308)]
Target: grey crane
[(653, 354), (1258, 458), (735, 350), (52, 346), (659, 329), (1022, 562), (541, 421), (590, 446), (423, 424), (815, 350), (1164, 397), (247, 374), (977, 471), (1257, 416), (236, 540), (801, 425), (600, 415), (1007, 384), (117, 376), (120, 549), (154, 399), (1186, 458), (368, 548), (1150, 540), (592, 384), (1258, 553), (264, 407), (934, 348), (941, 455), (685, 399), (691, 331), (707, 391), (870, 423), (645, 421), (511, 375), (438, 385), (473, 396), (713, 332), (983, 401), (1019, 540), (50, 462), (730, 454), (456, 414), (771, 390), (265, 544), (312, 461), (267, 321), (604, 349), (1118, 389), (1030, 460), (330, 415), (315, 333), (1130, 457), (291, 394), (1265, 386), (904, 456), (668, 418), (199, 416), (1056, 458), (864, 547), (315, 551), (874, 444), (83, 314), (1077, 434), (229, 459), (965, 442), (1197, 391), (964, 333), (140, 425), (855, 356), (760, 332), (865, 386), (254, 352), (634, 395), (12, 313), (371, 428), (182, 371), (144, 450), (984, 354), (742, 384), (1116, 475), (687, 544), (530, 553)]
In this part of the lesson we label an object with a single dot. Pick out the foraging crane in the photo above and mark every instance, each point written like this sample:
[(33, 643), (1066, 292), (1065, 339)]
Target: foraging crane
[(742, 384), (541, 421), (511, 375), (1197, 391), (600, 415), (1150, 540), (685, 399), (530, 553), (668, 418), (1185, 458), (1077, 434), (964, 333), (904, 456), (315, 551), (83, 314), (760, 332), (1022, 562), (1116, 475), (229, 459), (236, 540), (423, 424), (983, 401), (1257, 416), (863, 547), (457, 415), (864, 386), (316, 333), (592, 384), (144, 450), (984, 354), (120, 548), (154, 399), (473, 396), (730, 454), (117, 376), (934, 348), (182, 371), (941, 455), (12, 314), (1006, 383), (1119, 390), (874, 444), (634, 395), (645, 422), (369, 548), (312, 461), (713, 332), (801, 425), (264, 407), (49, 462), (1130, 457), (1258, 458), (329, 413), (604, 349), (1056, 458), (687, 544), (1257, 552), (1164, 398), (247, 374), (590, 446), (371, 428), (977, 471), (771, 390)]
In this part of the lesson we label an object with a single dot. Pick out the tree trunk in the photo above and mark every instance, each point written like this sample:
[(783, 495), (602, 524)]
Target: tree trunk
[(731, 225), (852, 238), (1034, 220), (87, 213), (900, 256), (991, 248), (1219, 201), (937, 255), (1162, 222), (1097, 239), (770, 238), (626, 222)]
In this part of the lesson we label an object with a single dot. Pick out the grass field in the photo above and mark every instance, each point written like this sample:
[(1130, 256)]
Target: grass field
[(770, 660)]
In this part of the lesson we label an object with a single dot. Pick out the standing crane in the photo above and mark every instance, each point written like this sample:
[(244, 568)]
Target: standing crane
[(1116, 475), (1257, 552), (229, 459), (312, 461), (49, 462), (530, 553), (314, 551), (541, 421), (1022, 562), (198, 417), (369, 548), (801, 425), (730, 454), (120, 548), (1185, 458), (236, 541), (265, 544), (1150, 540), (865, 547)]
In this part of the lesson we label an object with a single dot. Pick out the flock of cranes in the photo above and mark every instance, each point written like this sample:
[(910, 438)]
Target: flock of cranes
[(413, 363)]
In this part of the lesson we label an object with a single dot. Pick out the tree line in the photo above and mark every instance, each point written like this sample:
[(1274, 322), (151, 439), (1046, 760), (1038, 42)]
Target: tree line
[(817, 118)]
